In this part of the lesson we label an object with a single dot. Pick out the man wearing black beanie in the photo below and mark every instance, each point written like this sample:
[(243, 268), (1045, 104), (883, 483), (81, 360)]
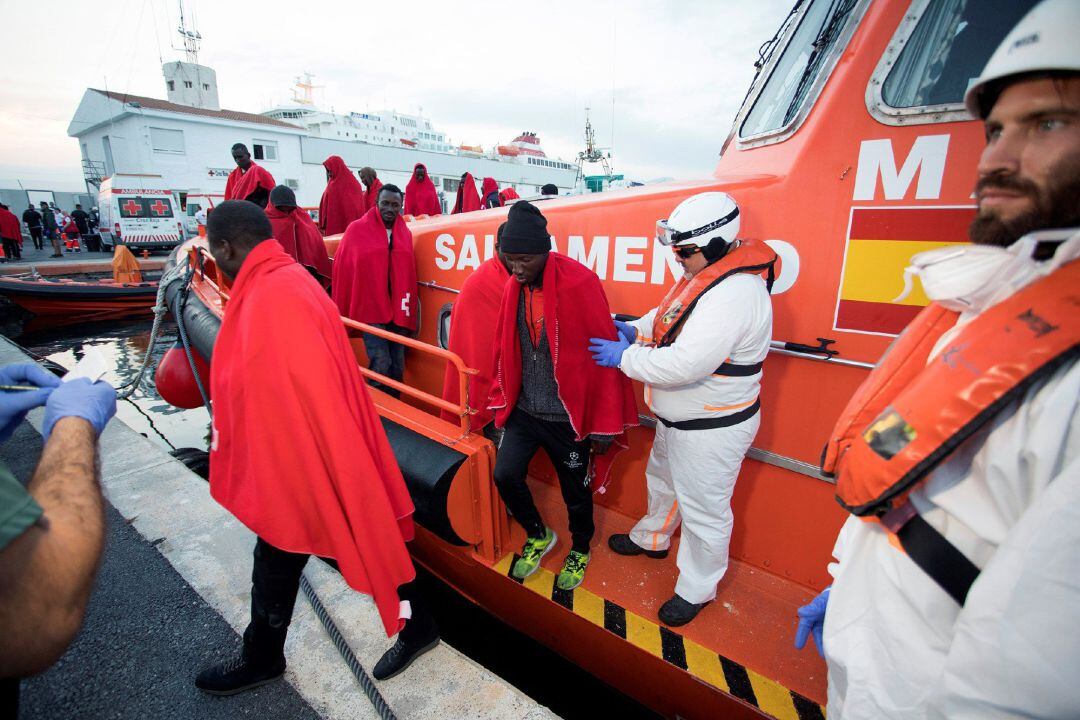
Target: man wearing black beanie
[(547, 393)]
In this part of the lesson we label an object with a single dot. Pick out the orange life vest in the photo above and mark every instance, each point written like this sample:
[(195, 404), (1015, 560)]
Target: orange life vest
[(908, 416), (749, 256)]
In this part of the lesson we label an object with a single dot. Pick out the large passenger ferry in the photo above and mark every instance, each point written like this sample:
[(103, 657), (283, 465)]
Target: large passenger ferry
[(852, 152)]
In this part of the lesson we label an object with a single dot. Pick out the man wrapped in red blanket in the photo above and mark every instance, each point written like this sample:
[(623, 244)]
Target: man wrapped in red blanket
[(248, 181), (298, 453), (296, 232), (548, 392), (342, 200)]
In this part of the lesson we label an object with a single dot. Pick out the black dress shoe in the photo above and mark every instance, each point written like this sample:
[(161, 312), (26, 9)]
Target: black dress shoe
[(237, 675), (622, 544), (401, 655), (676, 611)]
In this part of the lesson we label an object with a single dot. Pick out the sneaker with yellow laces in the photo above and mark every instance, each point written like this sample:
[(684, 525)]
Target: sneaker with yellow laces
[(573, 570), (534, 551)]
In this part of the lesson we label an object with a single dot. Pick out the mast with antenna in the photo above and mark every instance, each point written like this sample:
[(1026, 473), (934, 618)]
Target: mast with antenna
[(592, 153), (192, 38)]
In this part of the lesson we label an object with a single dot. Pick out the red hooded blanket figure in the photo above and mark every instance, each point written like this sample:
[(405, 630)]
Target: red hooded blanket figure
[(243, 183), (299, 237), (421, 197), (472, 338), (467, 197), (342, 200), (371, 194), (298, 453), (366, 264), (489, 188), (509, 194), (598, 402), (10, 227)]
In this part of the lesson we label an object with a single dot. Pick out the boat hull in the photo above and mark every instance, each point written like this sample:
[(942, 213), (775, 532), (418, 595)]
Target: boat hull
[(86, 301)]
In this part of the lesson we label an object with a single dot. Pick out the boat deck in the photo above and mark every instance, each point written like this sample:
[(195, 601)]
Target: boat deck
[(740, 643)]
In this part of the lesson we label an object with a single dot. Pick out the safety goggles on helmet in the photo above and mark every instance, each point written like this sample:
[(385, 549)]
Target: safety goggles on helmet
[(687, 251), (668, 235)]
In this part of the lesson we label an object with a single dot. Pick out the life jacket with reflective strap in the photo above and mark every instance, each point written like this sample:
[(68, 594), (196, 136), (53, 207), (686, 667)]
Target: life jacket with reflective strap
[(909, 416), (748, 256)]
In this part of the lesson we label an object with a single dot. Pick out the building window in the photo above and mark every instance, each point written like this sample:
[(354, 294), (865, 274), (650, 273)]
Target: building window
[(206, 86), (171, 84), (450, 184), (292, 183), (264, 150), (187, 83), (170, 142)]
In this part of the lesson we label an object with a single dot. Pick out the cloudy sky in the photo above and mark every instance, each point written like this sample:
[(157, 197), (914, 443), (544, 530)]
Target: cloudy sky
[(663, 79)]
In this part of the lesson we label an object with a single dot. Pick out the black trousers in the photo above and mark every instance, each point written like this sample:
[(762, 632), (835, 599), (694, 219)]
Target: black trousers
[(35, 235), (523, 436), (12, 250), (275, 581)]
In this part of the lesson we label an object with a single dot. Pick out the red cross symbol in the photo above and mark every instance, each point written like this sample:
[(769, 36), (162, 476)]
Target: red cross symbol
[(159, 208), (132, 207)]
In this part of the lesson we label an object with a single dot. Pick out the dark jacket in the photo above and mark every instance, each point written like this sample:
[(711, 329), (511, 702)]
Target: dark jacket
[(31, 217)]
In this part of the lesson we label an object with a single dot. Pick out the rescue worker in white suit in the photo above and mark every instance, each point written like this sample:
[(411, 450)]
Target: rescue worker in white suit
[(700, 354), (963, 600)]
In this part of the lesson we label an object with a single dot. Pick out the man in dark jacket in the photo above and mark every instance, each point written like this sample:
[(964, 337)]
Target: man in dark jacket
[(32, 219), (48, 222), (82, 221)]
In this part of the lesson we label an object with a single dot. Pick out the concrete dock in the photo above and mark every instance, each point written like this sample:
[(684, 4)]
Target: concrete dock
[(173, 595)]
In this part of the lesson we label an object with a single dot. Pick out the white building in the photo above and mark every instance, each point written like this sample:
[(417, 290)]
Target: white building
[(187, 140)]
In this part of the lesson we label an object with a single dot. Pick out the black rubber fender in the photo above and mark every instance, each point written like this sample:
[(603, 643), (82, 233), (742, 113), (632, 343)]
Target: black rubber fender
[(202, 325)]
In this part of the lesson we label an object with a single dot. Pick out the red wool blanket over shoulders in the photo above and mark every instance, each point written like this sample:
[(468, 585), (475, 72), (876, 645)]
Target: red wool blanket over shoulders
[(241, 184), (342, 200), (472, 337), (300, 238), (364, 267), (599, 400), (298, 452), (421, 198)]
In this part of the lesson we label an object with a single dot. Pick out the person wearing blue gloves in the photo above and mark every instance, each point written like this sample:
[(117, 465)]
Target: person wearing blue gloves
[(700, 355), (51, 532)]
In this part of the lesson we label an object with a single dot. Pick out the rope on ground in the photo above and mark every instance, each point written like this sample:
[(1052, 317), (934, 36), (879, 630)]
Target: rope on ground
[(161, 306), (366, 683)]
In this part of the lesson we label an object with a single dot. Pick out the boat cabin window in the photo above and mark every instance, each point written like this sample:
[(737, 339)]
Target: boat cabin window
[(801, 62), (948, 46)]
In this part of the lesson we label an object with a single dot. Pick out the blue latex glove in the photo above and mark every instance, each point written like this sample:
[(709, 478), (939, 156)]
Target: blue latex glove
[(14, 404), (94, 402), (608, 353), (812, 620), (627, 331)]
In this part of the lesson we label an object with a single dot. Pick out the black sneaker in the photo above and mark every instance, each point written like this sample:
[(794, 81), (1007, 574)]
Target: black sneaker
[(622, 544), (401, 656), (676, 611), (236, 676)]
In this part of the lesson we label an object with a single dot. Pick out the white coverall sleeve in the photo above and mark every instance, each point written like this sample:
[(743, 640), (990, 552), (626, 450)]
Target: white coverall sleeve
[(721, 318), (643, 325)]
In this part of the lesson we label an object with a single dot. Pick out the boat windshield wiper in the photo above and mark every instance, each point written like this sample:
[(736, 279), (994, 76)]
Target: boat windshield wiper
[(830, 30)]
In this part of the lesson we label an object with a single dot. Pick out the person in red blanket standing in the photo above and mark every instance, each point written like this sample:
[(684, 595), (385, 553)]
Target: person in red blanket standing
[(11, 232), (372, 185), (421, 197), (472, 334), (296, 232), (375, 281), (342, 200), (489, 194), (467, 197), (298, 454), (248, 181), (548, 391)]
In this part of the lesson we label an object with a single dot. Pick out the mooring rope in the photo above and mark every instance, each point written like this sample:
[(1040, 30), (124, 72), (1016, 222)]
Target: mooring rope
[(366, 683)]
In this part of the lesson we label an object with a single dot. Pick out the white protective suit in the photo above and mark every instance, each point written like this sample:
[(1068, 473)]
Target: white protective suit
[(1008, 498), (691, 473)]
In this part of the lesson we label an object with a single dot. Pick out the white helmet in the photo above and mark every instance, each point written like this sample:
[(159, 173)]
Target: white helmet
[(699, 220), (1043, 41)]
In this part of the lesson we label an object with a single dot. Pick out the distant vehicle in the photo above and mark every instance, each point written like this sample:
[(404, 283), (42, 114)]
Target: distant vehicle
[(194, 205), (138, 211)]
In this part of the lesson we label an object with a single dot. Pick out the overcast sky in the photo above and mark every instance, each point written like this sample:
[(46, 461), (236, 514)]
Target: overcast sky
[(482, 71)]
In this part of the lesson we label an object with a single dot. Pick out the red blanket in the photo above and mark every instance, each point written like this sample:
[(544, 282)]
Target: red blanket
[(467, 197), (365, 265), (10, 227), (489, 187), (599, 400), (241, 184), (421, 198), (472, 337), (371, 195), (298, 453), (300, 238), (342, 200), (509, 194)]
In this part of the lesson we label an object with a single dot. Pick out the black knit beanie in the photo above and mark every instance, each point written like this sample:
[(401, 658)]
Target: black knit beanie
[(526, 231)]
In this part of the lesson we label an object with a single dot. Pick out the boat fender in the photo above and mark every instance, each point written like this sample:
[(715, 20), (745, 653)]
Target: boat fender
[(175, 381)]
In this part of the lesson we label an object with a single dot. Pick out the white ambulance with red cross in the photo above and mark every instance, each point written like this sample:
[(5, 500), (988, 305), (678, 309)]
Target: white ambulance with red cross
[(139, 211)]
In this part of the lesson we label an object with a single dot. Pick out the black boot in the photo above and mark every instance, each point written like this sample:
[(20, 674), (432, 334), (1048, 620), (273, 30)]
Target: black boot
[(676, 611), (409, 646), (262, 661), (622, 544)]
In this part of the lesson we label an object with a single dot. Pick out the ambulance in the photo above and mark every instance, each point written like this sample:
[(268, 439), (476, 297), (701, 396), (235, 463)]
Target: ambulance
[(138, 211)]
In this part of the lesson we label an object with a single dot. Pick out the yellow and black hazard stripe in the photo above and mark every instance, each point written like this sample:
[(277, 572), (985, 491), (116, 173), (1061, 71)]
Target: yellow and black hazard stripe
[(723, 673)]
